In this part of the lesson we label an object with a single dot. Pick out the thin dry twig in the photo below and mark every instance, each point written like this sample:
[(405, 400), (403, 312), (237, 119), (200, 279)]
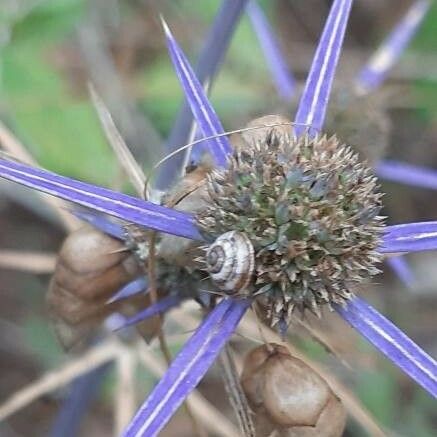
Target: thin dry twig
[(190, 145), (235, 392), (207, 414), (12, 145), (96, 356), (116, 141), (28, 261), (124, 397)]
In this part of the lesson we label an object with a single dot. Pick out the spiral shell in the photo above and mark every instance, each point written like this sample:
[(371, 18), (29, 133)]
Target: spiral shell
[(230, 261)]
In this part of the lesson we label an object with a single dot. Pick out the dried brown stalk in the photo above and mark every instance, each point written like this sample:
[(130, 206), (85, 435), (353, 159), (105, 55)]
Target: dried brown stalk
[(95, 357), (28, 261)]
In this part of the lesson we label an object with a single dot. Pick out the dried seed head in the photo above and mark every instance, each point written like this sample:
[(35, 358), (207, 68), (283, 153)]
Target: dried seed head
[(286, 394), (310, 209)]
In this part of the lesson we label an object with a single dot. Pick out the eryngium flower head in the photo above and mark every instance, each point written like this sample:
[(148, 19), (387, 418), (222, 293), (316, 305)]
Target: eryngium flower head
[(310, 209)]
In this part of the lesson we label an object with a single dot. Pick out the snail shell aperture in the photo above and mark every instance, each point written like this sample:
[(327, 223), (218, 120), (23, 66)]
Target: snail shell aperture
[(230, 261)]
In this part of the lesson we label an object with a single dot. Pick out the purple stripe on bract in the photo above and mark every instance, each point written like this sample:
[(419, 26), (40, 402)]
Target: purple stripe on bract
[(203, 112), (127, 208), (313, 103), (188, 368), (101, 223), (392, 342), (402, 269), (210, 59), (407, 174), (160, 307), (136, 286), (282, 77), (378, 66), (410, 237)]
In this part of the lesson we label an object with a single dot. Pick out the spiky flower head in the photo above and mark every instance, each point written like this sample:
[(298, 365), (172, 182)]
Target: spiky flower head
[(311, 211)]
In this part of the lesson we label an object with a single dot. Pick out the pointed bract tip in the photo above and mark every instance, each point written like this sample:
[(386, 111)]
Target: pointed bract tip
[(165, 27)]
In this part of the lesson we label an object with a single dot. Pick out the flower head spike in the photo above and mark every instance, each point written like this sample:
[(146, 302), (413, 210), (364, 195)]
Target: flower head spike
[(392, 342), (100, 222), (188, 368), (160, 307), (82, 392), (136, 286), (411, 237), (407, 174), (314, 101), (210, 59), (203, 112), (125, 207), (376, 69)]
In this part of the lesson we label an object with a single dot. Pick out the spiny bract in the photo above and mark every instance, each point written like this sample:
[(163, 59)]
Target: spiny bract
[(311, 210)]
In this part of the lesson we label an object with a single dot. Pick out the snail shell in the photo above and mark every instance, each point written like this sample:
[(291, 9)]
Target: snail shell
[(91, 267), (230, 261), (286, 394), (189, 195), (261, 129)]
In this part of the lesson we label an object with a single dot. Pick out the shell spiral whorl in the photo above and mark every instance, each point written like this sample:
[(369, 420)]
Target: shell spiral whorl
[(230, 261)]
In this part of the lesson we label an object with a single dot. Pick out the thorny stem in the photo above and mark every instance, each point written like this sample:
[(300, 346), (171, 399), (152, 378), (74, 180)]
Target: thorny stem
[(153, 292), (236, 395)]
